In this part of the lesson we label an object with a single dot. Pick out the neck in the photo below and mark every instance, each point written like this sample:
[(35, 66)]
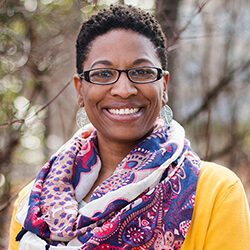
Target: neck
[(112, 152)]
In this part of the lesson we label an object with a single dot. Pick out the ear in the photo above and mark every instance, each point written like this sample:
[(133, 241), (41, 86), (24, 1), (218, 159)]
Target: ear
[(78, 88), (165, 90)]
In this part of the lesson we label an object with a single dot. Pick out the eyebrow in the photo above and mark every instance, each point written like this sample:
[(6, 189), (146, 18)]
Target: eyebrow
[(108, 63), (142, 60), (105, 62)]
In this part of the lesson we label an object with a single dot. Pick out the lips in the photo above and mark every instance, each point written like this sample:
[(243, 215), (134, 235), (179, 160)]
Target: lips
[(123, 111)]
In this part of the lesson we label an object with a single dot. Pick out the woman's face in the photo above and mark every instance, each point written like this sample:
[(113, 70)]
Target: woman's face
[(106, 105)]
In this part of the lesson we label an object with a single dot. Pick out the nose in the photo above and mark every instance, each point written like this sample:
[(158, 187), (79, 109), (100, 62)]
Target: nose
[(124, 87)]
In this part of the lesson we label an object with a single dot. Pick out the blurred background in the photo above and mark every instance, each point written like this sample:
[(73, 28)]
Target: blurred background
[(209, 91)]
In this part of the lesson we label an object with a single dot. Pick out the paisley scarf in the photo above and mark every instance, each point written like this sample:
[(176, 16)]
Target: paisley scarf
[(147, 203)]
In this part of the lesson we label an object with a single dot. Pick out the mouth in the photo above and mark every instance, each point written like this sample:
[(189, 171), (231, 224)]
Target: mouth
[(126, 114), (123, 111)]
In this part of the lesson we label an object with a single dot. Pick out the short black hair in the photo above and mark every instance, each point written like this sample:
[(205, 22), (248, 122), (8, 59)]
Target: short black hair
[(115, 17)]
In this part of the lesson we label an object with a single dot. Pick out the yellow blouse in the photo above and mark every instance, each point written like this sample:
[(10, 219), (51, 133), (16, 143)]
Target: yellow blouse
[(221, 217)]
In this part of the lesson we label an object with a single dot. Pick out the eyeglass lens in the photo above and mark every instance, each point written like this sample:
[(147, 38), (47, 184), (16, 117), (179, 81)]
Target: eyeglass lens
[(138, 75)]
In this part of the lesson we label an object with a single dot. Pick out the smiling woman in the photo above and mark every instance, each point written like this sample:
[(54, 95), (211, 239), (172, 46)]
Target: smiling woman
[(106, 104), (129, 179)]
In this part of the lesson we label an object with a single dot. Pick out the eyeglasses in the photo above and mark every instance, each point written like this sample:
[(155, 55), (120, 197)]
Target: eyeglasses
[(105, 76)]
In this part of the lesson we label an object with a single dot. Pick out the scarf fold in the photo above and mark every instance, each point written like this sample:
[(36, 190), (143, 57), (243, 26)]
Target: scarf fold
[(147, 203)]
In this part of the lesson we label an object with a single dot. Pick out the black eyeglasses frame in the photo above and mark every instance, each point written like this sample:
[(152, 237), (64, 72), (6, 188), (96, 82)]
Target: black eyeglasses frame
[(85, 75)]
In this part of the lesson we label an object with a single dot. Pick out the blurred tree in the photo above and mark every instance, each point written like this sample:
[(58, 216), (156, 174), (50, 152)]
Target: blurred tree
[(208, 62), (205, 61), (34, 44), (167, 15)]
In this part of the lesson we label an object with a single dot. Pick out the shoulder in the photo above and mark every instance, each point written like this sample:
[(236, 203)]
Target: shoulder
[(214, 170), (15, 226), (22, 197), (220, 206), (212, 173), (24, 191), (216, 184)]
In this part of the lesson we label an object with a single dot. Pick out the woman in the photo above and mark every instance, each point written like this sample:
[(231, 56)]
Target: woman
[(130, 180)]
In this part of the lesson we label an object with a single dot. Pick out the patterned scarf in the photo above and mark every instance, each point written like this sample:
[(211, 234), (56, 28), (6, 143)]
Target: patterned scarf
[(147, 203)]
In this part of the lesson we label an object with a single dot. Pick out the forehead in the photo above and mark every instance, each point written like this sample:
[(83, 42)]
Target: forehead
[(121, 46)]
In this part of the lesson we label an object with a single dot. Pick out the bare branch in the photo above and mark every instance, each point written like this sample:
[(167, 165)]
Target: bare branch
[(213, 156), (52, 100), (22, 121), (216, 90), (6, 124), (198, 10), (203, 36), (229, 147)]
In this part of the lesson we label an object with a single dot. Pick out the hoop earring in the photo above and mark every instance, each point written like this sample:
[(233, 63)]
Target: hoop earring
[(81, 117), (166, 114)]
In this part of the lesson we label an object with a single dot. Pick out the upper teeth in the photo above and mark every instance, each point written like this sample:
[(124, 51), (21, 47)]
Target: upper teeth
[(126, 111)]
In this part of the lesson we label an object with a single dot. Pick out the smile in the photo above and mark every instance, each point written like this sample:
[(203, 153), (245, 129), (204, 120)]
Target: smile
[(126, 111)]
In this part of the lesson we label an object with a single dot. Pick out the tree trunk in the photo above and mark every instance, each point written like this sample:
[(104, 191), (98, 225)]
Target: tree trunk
[(167, 15)]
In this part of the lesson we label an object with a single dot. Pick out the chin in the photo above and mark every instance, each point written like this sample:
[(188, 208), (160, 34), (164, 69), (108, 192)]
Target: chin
[(127, 134)]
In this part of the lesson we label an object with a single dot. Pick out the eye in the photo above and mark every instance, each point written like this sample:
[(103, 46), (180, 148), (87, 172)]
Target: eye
[(143, 73), (101, 74)]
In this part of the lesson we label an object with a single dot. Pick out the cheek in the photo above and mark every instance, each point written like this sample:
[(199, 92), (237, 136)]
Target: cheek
[(155, 94), (89, 94), (92, 96)]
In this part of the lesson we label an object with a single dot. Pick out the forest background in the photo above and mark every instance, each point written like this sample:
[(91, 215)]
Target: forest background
[(209, 63)]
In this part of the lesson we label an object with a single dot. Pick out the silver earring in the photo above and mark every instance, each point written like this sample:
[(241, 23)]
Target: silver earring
[(166, 114), (81, 117)]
